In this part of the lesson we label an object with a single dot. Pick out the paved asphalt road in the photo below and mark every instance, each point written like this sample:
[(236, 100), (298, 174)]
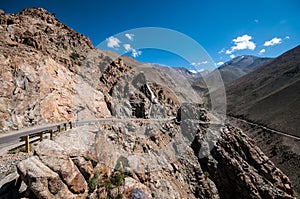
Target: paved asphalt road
[(12, 138)]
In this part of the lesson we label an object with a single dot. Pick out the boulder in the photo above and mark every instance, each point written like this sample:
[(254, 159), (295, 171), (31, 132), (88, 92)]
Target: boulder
[(43, 182)]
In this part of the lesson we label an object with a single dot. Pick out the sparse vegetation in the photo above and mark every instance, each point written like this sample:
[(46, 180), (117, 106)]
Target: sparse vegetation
[(117, 179), (114, 181), (74, 55), (206, 174), (94, 182), (77, 58)]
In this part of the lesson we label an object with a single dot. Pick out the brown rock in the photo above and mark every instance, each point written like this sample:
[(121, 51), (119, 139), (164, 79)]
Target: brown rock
[(85, 166), (53, 156), (44, 182)]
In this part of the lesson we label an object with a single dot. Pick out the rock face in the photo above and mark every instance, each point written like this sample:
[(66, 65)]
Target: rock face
[(131, 92), (41, 77)]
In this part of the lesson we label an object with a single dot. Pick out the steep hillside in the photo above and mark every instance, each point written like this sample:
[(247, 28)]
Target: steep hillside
[(41, 76), (270, 95)]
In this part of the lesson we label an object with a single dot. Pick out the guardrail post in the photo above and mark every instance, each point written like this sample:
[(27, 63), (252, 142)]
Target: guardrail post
[(70, 125), (41, 136), (51, 134), (59, 128), (65, 126), (27, 143)]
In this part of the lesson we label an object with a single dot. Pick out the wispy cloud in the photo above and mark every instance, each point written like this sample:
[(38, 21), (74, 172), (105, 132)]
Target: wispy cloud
[(133, 51), (222, 51), (287, 37), (256, 20), (273, 42), (232, 56), (129, 36), (199, 63), (262, 51), (283, 21), (241, 43), (113, 42)]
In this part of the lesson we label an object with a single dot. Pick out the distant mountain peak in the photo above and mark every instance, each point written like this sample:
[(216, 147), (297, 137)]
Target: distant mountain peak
[(240, 66), (243, 61)]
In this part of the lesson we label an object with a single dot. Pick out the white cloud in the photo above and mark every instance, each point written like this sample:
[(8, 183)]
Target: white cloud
[(273, 42), (129, 36), (199, 63), (220, 63), (133, 51), (136, 53), (242, 43), (222, 51), (127, 47), (113, 42), (232, 56), (287, 37), (262, 51)]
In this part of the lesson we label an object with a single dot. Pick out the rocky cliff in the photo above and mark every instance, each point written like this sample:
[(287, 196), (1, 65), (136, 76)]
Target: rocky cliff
[(41, 78), (165, 145)]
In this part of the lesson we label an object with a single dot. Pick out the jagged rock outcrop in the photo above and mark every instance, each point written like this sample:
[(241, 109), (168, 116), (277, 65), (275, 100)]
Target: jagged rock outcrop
[(41, 76), (132, 92)]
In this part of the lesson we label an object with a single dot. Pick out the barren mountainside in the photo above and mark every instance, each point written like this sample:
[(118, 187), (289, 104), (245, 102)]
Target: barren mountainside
[(158, 140), (270, 95)]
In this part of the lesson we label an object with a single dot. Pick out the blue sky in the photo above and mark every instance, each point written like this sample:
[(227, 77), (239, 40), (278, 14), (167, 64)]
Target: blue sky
[(223, 28)]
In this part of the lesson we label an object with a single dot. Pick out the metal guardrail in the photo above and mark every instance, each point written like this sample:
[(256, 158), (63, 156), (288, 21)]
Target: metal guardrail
[(28, 139), (37, 135)]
